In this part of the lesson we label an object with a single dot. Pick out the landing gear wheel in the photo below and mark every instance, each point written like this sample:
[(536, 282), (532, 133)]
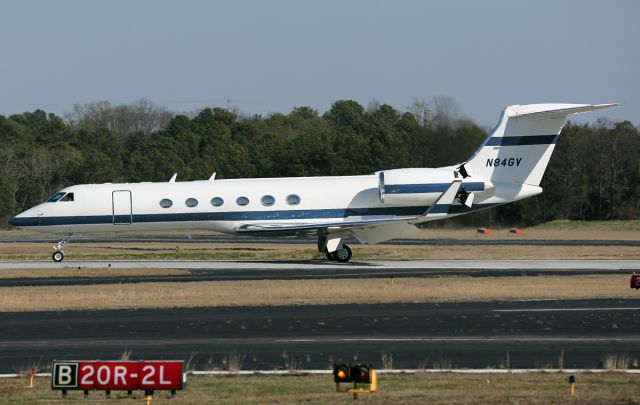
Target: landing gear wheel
[(58, 253), (57, 256), (343, 254), (330, 256)]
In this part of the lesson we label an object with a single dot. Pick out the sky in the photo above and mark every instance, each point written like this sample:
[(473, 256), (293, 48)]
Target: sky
[(270, 56)]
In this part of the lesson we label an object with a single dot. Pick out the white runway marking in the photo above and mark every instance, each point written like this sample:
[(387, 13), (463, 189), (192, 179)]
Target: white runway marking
[(567, 309), (467, 339)]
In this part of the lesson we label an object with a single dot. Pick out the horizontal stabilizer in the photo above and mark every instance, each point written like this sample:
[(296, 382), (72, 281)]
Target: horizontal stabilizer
[(441, 207), (529, 110)]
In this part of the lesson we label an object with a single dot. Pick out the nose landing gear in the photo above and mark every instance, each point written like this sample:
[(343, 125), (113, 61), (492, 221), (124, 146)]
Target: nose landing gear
[(58, 255)]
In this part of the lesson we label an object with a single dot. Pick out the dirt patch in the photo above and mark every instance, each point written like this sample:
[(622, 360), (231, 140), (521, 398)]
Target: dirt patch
[(273, 251), (89, 273), (313, 292), (533, 233)]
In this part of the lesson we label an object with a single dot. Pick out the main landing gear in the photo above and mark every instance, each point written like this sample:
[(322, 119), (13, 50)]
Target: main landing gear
[(58, 255), (341, 255), (333, 248)]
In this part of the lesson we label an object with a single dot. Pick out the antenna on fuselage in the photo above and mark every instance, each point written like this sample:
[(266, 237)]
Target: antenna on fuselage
[(173, 178), (213, 177)]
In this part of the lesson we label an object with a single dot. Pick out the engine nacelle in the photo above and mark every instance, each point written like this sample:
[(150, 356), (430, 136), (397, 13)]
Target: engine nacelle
[(423, 186)]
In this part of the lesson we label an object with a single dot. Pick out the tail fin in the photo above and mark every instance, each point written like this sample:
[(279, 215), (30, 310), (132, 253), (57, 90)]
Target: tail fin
[(519, 148)]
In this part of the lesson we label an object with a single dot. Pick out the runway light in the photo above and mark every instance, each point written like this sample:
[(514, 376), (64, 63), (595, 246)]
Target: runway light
[(341, 373), (148, 397), (361, 373), (572, 385), (32, 373), (355, 373)]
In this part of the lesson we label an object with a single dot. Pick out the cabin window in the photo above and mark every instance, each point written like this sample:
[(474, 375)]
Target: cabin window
[(293, 199), (242, 201), (166, 203), (67, 197), (267, 200), (217, 201), (56, 197), (191, 202)]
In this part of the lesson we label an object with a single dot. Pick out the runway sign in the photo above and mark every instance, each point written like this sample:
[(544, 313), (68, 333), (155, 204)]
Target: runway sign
[(117, 375)]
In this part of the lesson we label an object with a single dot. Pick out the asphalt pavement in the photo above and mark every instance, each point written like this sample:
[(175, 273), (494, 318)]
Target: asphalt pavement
[(313, 269), (475, 335), (521, 334)]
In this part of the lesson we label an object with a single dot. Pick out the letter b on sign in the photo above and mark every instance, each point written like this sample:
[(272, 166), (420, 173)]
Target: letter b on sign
[(65, 375)]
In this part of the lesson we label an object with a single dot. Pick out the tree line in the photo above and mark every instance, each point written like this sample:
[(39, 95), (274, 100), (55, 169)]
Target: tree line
[(593, 175)]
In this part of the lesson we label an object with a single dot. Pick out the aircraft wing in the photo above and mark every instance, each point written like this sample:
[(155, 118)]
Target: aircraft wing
[(315, 227), (364, 230)]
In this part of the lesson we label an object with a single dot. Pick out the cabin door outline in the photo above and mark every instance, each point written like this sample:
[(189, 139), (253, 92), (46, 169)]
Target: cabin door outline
[(122, 205)]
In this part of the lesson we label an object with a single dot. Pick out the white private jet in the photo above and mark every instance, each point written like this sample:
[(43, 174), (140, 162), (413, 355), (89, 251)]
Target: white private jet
[(374, 208)]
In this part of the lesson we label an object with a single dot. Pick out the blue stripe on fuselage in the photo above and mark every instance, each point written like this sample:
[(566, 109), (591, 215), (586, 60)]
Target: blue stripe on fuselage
[(429, 187), (339, 213)]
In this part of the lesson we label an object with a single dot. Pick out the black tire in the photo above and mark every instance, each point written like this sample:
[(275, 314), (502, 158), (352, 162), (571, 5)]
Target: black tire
[(57, 256), (330, 256), (342, 255)]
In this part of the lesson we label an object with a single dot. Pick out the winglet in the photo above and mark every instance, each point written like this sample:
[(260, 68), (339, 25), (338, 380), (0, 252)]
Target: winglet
[(440, 208), (173, 178), (213, 177)]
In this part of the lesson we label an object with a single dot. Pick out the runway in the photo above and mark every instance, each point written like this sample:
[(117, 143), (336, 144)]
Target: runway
[(307, 270), (515, 334), (475, 335)]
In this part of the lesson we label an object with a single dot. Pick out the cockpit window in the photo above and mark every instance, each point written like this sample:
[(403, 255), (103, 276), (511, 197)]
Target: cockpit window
[(68, 197), (56, 197)]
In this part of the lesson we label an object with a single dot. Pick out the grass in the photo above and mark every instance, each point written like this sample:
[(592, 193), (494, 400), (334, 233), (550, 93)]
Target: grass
[(75, 272), (618, 361), (534, 388), (613, 225), (233, 361), (386, 359), (312, 292), (266, 251), (189, 250)]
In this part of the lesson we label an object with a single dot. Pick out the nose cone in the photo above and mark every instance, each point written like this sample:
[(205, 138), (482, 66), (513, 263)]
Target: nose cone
[(19, 221), (25, 219)]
